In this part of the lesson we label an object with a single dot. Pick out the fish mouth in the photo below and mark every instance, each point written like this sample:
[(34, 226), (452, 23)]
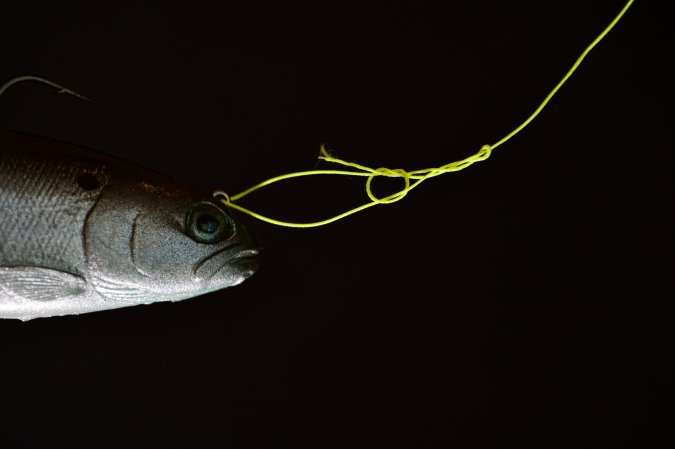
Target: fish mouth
[(245, 263), (233, 268)]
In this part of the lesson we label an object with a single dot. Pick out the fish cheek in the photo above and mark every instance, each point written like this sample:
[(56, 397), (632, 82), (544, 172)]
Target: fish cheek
[(161, 250)]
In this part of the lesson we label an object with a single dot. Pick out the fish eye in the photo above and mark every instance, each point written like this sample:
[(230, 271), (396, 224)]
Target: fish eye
[(207, 223)]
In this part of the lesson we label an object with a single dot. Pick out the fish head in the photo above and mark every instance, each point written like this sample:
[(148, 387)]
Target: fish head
[(147, 242)]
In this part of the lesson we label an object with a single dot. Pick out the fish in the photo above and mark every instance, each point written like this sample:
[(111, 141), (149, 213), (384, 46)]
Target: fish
[(82, 232)]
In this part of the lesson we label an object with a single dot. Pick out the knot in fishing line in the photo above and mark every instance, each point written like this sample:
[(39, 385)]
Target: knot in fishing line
[(484, 152), (391, 173)]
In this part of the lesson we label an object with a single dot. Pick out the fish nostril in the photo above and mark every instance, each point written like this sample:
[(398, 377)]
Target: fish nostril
[(88, 181)]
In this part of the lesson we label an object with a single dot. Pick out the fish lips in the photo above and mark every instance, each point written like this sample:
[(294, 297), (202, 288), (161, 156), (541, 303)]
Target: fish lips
[(227, 267)]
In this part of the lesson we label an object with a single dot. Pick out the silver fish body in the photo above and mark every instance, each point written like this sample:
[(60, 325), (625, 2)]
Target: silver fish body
[(82, 232)]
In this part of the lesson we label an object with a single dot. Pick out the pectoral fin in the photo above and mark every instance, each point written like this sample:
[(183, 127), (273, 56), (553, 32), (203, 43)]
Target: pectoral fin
[(38, 284)]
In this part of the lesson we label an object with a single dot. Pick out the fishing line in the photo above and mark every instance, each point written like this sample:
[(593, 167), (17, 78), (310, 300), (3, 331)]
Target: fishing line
[(411, 179)]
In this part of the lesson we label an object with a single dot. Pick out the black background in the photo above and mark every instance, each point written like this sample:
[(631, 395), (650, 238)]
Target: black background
[(527, 300)]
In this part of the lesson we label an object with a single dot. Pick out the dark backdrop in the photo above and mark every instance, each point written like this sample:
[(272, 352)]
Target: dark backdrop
[(526, 301)]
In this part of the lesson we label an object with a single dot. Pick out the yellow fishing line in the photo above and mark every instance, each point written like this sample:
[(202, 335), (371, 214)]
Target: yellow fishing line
[(416, 176)]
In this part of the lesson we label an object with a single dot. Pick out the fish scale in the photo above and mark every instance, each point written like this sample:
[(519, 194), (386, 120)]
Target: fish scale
[(43, 210)]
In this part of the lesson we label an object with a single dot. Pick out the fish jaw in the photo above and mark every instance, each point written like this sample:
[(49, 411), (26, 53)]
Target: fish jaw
[(226, 268)]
